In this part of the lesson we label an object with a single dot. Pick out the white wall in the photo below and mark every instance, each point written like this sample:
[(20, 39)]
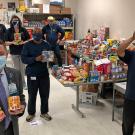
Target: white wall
[(119, 15)]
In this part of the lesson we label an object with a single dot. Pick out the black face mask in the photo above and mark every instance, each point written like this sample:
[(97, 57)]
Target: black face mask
[(15, 22), (37, 36)]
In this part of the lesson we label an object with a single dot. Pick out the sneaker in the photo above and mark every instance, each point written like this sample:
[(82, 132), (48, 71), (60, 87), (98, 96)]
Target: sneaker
[(29, 118), (46, 117)]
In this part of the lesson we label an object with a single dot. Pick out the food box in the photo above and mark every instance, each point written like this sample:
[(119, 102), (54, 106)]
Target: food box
[(17, 38), (48, 56), (14, 103), (88, 98)]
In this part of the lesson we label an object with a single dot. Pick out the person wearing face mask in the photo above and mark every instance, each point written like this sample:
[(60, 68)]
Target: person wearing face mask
[(37, 75), (53, 34), (9, 119), (16, 36)]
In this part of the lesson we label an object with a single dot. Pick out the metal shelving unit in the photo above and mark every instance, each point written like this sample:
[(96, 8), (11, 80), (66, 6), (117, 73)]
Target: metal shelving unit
[(39, 17)]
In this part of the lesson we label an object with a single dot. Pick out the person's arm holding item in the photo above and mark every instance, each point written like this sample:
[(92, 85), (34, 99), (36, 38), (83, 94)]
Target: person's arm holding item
[(2, 115), (123, 45), (21, 111), (26, 59), (123, 51), (61, 34)]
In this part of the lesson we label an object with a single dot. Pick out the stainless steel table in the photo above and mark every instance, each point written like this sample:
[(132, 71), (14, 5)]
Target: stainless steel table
[(120, 87)]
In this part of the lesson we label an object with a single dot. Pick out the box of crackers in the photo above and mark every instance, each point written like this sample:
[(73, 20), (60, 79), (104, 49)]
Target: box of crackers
[(14, 103)]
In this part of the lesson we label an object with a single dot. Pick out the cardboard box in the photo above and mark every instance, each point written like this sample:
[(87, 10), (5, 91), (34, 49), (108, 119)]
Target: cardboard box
[(54, 11), (53, 7), (66, 11), (89, 88), (40, 6)]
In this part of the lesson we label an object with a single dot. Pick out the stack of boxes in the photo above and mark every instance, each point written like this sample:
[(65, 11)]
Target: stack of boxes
[(54, 9), (59, 10)]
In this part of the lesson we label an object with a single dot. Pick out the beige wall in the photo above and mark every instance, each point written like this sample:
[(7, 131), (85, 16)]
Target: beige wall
[(4, 2), (119, 15), (71, 4)]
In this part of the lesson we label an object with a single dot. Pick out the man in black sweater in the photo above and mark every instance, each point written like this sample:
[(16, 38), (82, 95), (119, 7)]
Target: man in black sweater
[(37, 75)]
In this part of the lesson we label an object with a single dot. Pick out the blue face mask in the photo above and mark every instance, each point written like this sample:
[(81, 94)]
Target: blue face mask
[(37, 36), (3, 61)]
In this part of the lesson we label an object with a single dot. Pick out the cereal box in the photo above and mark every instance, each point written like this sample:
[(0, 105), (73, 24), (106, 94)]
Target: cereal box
[(14, 103)]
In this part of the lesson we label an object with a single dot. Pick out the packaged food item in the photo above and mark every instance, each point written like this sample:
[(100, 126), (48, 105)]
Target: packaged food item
[(17, 38), (86, 67), (51, 56), (48, 56), (14, 103)]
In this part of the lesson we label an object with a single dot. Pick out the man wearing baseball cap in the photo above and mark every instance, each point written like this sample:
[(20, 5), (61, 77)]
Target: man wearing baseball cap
[(53, 34)]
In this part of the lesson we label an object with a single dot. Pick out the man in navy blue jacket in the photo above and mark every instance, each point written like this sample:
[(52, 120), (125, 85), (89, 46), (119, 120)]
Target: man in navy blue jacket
[(37, 74), (53, 33)]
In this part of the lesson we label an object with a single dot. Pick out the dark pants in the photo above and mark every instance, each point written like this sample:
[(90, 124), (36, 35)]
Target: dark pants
[(9, 131), (43, 85), (56, 50), (128, 117)]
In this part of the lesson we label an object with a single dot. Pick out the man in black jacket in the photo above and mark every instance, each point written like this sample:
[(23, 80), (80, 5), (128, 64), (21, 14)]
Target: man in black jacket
[(53, 33), (37, 75)]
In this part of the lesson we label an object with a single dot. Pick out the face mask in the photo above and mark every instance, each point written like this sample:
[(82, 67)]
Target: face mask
[(3, 61), (37, 36), (15, 22)]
